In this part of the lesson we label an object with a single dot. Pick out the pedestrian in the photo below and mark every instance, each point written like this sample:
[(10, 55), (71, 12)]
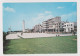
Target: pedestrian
[(21, 33)]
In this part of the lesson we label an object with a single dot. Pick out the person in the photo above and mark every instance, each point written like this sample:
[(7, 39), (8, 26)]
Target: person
[(74, 32), (58, 35), (21, 33)]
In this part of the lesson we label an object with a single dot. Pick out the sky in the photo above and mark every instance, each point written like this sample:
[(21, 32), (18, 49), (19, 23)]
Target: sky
[(36, 13)]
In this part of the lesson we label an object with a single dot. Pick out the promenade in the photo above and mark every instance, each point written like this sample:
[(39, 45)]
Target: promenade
[(33, 35)]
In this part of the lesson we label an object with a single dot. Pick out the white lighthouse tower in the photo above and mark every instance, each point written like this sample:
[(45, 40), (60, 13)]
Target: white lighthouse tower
[(23, 26)]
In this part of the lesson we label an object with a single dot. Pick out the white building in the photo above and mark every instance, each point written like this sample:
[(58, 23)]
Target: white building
[(68, 27)]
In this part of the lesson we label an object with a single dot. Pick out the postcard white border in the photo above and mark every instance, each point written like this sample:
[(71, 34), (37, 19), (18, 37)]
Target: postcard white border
[(13, 1), (39, 0)]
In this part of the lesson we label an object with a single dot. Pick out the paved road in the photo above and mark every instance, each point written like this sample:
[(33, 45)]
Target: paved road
[(33, 35)]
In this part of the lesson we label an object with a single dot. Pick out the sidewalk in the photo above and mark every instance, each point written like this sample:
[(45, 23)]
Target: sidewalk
[(33, 35)]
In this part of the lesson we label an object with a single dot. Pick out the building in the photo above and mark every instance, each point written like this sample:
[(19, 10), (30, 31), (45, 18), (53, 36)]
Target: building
[(75, 27), (38, 28), (52, 25), (69, 26), (27, 30), (55, 25)]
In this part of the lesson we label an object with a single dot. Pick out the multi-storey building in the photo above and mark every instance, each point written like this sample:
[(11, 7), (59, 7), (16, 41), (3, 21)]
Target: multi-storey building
[(52, 25), (55, 25), (38, 28), (69, 26)]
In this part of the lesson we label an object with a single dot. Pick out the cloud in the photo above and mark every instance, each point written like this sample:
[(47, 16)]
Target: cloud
[(40, 18), (9, 9), (71, 17), (60, 7), (41, 14), (44, 16), (47, 11)]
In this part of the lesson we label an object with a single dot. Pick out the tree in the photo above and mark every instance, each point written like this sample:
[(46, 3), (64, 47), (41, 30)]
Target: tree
[(4, 36), (73, 32)]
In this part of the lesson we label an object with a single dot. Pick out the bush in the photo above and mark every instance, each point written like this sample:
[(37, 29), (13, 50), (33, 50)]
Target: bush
[(4, 37), (5, 42)]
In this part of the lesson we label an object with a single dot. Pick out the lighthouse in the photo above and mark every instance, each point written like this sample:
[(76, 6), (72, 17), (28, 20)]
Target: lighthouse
[(23, 26)]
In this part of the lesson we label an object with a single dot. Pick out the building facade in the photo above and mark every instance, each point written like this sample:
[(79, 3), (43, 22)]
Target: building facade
[(52, 25), (37, 28), (55, 25), (69, 27)]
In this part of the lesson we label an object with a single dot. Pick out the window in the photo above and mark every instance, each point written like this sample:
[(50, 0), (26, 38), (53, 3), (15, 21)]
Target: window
[(71, 24), (65, 25), (62, 23), (59, 23), (71, 28)]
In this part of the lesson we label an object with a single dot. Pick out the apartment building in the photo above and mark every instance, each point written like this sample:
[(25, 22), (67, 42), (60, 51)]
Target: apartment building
[(52, 25)]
